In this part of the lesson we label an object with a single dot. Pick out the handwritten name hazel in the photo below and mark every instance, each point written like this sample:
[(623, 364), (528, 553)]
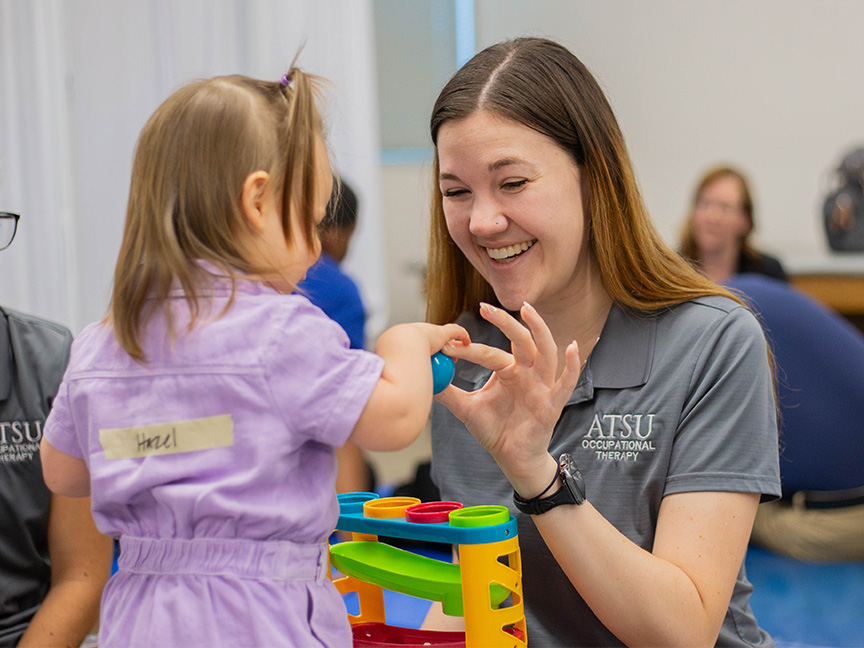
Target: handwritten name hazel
[(151, 442), (171, 437)]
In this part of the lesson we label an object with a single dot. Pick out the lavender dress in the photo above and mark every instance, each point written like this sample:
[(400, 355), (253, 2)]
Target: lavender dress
[(213, 463)]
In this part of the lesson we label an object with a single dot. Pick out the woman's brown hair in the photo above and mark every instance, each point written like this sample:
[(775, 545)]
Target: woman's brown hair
[(540, 84), (191, 161), (689, 249)]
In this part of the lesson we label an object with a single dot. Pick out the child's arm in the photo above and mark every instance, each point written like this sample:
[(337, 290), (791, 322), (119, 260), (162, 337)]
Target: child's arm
[(400, 404), (63, 473)]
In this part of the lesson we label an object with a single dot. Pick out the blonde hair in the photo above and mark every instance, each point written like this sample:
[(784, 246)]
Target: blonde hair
[(689, 249), (191, 161), (540, 84)]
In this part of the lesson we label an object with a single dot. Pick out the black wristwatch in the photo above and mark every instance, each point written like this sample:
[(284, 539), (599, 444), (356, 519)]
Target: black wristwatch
[(571, 492)]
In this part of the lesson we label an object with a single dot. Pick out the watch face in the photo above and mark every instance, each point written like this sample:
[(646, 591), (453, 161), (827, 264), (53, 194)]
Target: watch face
[(565, 461), (572, 477)]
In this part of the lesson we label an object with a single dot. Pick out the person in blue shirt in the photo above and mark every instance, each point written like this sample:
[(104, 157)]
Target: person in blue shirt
[(326, 284), (333, 291)]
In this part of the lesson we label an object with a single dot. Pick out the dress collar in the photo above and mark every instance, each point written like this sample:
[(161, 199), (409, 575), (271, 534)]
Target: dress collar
[(220, 283)]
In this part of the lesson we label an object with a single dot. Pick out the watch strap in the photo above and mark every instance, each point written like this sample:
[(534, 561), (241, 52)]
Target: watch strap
[(571, 491)]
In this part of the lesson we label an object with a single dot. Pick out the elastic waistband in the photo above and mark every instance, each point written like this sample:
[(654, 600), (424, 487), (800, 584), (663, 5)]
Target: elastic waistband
[(828, 499), (272, 560)]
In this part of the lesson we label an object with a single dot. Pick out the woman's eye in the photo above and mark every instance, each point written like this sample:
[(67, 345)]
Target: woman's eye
[(515, 184), (452, 193)]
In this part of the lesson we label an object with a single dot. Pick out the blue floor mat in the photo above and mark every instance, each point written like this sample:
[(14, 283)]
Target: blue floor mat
[(804, 604)]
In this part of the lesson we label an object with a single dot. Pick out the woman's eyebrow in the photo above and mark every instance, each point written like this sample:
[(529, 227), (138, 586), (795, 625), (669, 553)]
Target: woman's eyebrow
[(508, 161), (494, 166)]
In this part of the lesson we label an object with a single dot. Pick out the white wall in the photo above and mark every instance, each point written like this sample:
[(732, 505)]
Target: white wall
[(773, 86), (78, 81)]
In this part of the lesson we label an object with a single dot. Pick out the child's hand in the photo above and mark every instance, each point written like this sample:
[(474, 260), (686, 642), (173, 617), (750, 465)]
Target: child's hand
[(441, 336), (399, 407), (432, 338)]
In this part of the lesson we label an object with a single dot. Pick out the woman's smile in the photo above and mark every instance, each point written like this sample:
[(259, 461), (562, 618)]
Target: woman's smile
[(509, 253)]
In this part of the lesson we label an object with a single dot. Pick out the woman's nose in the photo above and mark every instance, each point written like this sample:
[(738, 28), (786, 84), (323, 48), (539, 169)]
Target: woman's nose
[(487, 218)]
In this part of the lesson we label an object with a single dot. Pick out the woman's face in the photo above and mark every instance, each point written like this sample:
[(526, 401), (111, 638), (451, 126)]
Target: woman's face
[(719, 220), (513, 202)]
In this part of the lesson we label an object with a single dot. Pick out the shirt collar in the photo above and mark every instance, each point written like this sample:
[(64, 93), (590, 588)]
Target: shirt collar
[(622, 357)]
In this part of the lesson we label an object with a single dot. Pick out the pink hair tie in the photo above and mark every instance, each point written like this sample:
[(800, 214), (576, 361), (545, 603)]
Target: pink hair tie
[(286, 80)]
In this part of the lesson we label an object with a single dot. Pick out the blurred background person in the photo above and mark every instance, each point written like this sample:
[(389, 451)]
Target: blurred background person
[(337, 294), (326, 284), (716, 234), (53, 561)]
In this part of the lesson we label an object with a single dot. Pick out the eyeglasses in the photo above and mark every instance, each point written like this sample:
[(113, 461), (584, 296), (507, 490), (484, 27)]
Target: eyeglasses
[(8, 227)]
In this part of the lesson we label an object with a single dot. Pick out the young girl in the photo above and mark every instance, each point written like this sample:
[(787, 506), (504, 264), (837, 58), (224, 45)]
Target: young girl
[(204, 413)]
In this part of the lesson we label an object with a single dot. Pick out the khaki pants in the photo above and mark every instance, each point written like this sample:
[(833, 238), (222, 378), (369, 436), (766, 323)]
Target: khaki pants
[(807, 533)]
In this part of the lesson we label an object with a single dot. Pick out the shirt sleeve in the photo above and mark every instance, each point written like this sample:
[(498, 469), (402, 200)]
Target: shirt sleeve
[(727, 437), (59, 427), (320, 385)]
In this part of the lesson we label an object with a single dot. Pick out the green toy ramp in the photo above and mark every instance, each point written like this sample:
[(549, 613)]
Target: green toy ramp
[(405, 572)]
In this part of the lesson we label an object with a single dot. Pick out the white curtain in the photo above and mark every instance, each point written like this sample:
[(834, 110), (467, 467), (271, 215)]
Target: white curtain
[(78, 81)]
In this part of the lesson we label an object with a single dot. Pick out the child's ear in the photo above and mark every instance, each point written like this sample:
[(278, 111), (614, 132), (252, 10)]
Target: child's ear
[(255, 189)]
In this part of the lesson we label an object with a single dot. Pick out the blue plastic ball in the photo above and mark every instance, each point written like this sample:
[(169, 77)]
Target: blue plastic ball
[(443, 369)]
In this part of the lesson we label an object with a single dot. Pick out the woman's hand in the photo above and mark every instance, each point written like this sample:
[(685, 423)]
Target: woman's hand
[(514, 414)]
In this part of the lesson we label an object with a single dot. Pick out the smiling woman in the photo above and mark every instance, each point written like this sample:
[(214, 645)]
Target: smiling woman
[(593, 345)]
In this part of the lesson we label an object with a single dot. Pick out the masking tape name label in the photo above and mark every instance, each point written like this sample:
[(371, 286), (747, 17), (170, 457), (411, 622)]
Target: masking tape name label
[(168, 438)]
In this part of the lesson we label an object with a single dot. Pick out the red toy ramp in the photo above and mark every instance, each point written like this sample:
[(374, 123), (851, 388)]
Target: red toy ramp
[(381, 635)]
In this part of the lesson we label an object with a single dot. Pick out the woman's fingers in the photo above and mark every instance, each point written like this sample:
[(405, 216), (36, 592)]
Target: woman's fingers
[(522, 343), (481, 354), (570, 376), (546, 357), (532, 345)]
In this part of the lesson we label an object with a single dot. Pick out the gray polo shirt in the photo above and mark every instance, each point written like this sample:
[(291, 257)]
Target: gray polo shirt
[(33, 356), (674, 402)]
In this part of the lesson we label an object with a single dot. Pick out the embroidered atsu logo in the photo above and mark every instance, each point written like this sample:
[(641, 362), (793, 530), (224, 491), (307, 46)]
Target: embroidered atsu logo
[(19, 440), (620, 437)]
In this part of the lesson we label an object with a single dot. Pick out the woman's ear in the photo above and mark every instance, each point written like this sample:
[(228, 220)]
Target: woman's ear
[(255, 190)]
